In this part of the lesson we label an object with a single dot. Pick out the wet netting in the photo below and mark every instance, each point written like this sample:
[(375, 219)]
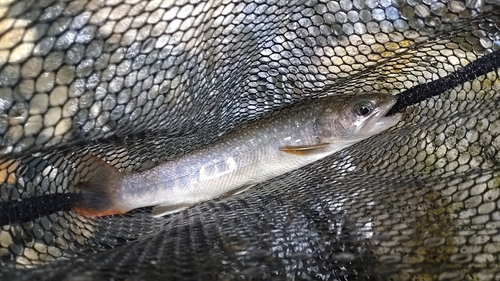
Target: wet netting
[(139, 82)]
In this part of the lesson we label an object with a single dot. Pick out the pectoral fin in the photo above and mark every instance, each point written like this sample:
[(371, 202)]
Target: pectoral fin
[(160, 211), (148, 164), (305, 149)]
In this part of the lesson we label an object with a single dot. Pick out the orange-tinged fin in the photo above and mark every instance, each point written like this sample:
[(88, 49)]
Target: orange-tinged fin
[(305, 149), (97, 197)]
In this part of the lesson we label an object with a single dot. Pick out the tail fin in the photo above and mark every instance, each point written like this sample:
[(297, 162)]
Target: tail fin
[(97, 197)]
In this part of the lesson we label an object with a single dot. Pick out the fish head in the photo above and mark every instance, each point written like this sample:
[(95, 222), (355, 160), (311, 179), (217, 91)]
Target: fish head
[(356, 117)]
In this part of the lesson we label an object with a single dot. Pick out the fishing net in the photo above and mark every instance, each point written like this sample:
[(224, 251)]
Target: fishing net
[(139, 82)]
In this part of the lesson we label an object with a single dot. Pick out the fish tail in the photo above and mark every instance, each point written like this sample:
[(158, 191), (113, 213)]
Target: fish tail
[(98, 197)]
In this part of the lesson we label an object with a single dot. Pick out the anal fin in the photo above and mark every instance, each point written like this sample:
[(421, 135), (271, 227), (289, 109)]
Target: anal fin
[(160, 211), (304, 149), (238, 190)]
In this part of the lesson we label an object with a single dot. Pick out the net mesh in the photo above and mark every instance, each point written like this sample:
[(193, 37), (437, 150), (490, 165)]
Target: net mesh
[(139, 82)]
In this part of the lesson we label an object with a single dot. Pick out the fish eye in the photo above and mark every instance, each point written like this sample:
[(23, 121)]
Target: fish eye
[(363, 108)]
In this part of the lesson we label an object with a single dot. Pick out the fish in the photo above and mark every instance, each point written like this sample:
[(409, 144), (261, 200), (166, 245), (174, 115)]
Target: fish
[(278, 143)]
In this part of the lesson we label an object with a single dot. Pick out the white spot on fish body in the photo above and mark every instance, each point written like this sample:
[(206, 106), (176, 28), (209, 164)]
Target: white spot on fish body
[(215, 170)]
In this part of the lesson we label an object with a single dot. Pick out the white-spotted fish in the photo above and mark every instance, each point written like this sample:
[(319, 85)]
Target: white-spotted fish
[(251, 153)]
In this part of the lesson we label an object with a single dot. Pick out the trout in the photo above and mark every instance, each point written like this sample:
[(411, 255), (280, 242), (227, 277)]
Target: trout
[(251, 153)]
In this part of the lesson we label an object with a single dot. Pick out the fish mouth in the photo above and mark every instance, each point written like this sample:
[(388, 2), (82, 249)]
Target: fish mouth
[(383, 122)]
